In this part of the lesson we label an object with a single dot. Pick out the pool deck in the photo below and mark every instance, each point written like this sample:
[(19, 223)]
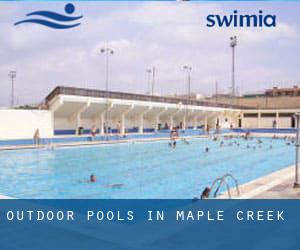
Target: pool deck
[(98, 142), (5, 197), (277, 185), (130, 140)]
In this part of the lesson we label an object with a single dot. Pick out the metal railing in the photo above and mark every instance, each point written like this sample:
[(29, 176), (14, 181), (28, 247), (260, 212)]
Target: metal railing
[(220, 182), (60, 90)]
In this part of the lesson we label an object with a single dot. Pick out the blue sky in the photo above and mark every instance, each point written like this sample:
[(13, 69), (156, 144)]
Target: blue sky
[(167, 35)]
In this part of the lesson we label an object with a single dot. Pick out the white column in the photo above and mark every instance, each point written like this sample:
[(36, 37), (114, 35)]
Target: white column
[(195, 122), (77, 116), (242, 119), (156, 122), (277, 119), (171, 122), (258, 119), (102, 123), (184, 122), (142, 118), (205, 123), (78, 122), (141, 124), (122, 132)]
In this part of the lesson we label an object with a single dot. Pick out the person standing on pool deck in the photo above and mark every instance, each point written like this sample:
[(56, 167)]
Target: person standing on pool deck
[(274, 124), (93, 132), (119, 127), (36, 137)]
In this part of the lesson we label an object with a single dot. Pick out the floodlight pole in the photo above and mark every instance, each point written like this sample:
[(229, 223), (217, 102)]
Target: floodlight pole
[(12, 75), (149, 72), (188, 69), (297, 182), (107, 51), (217, 90), (233, 44), (153, 80)]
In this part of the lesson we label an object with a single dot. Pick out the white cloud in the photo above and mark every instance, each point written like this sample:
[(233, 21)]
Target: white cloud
[(167, 35)]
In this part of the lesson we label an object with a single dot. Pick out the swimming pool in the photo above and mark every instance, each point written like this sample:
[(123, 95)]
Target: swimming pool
[(147, 170)]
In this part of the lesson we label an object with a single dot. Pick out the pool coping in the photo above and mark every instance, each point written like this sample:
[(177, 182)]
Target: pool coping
[(258, 186), (90, 143), (5, 197)]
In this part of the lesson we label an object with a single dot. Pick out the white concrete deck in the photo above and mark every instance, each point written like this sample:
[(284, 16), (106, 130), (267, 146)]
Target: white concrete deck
[(277, 185)]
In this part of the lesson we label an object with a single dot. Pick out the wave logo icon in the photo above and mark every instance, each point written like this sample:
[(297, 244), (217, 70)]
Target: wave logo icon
[(53, 20)]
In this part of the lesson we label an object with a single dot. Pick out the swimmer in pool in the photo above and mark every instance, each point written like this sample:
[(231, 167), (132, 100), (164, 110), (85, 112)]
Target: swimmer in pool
[(207, 149), (117, 185), (185, 141), (205, 193), (92, 178)]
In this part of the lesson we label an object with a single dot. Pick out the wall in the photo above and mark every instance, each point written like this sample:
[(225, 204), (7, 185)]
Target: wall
[(64, 123), (22, 124), (282, 102), (266, 122), (284, 122), (250, 122)]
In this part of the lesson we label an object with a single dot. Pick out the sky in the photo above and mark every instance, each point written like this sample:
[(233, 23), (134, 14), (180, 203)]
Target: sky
[(144, 34)]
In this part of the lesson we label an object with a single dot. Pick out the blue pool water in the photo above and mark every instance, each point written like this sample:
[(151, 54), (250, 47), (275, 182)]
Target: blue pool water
[(147, 170)]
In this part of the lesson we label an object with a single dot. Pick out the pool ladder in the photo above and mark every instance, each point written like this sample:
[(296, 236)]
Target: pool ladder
[(223, 180)]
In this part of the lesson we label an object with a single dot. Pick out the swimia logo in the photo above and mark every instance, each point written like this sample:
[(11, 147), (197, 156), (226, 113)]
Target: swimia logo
[(239, 20), (52, 19)]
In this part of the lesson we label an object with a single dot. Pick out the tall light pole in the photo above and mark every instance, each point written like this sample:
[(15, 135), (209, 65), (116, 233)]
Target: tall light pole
[(149, 72), (297, 181), (153, 72), (12, 75), (233, 44), (107, 51), (153, 79), (188, 69), (217, 91)]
